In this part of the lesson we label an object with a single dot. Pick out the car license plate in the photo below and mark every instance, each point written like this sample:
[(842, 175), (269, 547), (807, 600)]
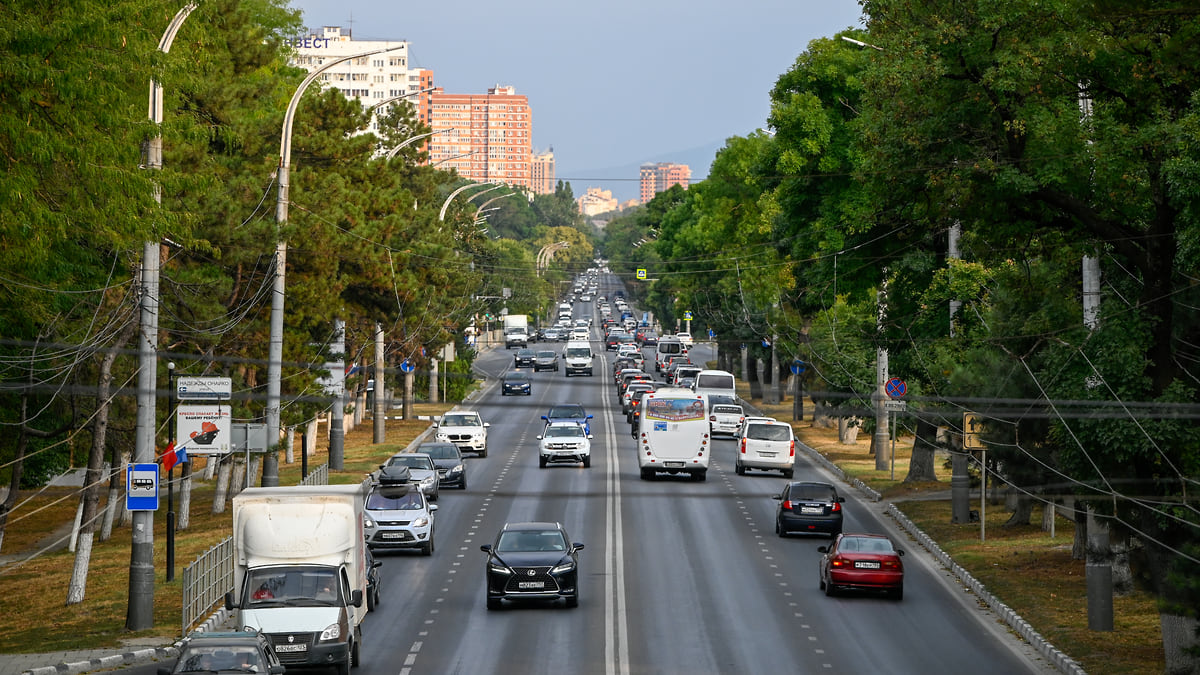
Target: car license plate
[(391, 535), (867, 564), (815, 510), (673, 465), (529, 585), (291, 648)]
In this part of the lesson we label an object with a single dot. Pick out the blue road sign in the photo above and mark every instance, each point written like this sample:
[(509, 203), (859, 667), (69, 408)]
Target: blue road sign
[(712, 333), (407, 366), (797, 367), (895, 387), (141, 487)]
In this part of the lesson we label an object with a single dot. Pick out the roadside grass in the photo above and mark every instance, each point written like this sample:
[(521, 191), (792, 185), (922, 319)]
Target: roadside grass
[(1023, 566), (35, 616)]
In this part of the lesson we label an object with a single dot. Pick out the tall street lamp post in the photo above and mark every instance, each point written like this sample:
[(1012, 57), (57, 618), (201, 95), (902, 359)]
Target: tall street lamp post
[(275, 346)]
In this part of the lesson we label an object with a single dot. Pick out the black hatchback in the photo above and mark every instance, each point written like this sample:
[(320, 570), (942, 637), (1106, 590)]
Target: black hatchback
[(809, 507)]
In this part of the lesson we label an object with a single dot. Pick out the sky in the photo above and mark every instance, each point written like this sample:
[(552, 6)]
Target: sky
[(611, 85)]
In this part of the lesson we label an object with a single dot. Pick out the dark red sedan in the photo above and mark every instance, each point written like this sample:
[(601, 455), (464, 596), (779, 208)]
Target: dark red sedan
[(868, 562)]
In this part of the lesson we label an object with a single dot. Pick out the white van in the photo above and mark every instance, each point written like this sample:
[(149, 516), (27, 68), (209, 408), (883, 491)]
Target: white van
[(673, 434), (577, 356), (710, 382), (766, 445), (666, 348)]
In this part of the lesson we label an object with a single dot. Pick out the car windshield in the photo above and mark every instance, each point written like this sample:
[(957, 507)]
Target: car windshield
[(460, 421), (526, 541), (566, 411), (291, 585), (812, 493), (409, 501), (545, 355), (769, 432), (516, 377), (411, 461), (220, 657), (441, 451), (865, 545), (557, 431)]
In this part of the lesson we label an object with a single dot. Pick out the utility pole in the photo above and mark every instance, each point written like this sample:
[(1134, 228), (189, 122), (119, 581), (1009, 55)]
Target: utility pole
[(337, 433), (380, 410)]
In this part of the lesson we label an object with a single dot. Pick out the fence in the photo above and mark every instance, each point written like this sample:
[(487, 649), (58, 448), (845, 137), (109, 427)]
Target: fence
[(205, 582)]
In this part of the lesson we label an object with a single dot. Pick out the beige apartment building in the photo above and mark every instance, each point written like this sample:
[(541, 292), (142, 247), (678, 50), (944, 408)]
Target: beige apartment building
[(597, 201), (656, 178)]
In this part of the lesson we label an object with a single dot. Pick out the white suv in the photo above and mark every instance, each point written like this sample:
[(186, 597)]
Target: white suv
[(565, 442), (465, 429), (766, 445)]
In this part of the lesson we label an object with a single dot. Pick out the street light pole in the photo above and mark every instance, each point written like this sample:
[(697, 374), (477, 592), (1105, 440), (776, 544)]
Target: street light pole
[(446, 204), (275, 345), (140, 612)]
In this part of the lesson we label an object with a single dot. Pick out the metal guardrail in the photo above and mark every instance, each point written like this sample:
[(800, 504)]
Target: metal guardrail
[(318, 476), (205, 582)]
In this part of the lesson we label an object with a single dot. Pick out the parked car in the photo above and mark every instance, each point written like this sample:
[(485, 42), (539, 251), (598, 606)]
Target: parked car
[(565, 442), (867, 562), (515, 382), (466, 429), (810, 507), (210, 653), (524, 358), (545, 360), (452, 471), (399, 518), (422, 471), (530, 561)]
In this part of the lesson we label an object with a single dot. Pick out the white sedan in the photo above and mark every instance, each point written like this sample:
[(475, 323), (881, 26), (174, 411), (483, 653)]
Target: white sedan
[(685, 339)]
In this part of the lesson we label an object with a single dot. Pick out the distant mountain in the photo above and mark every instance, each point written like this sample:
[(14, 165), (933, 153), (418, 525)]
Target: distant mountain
[(624, 180)]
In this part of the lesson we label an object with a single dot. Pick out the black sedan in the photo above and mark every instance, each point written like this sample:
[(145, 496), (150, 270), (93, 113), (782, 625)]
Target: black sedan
[(531, 561), (525, 358), (449, 462), (515, 383), (809, 507), (545, 360)]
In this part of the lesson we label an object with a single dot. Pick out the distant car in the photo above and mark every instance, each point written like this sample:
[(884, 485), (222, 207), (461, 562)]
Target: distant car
[(565, 442), (809, 507), (373, 592), (466, 429), (531, 561), (524, 358), (627, 396), (569, 412), (649, 338), (684, 338), (452, 471), (399, 518), (422, 471), (545, 360), (224, 652), (725, 418), (515, 382), (866, 562), (615, 339)]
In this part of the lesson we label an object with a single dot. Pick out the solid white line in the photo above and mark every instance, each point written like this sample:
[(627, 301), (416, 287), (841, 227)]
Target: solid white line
[(616, 627)]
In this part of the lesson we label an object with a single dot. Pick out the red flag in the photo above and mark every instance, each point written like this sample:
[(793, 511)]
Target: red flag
[(172, 457)]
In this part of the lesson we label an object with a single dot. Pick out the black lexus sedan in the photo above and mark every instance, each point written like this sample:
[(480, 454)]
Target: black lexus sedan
[(532, 561)]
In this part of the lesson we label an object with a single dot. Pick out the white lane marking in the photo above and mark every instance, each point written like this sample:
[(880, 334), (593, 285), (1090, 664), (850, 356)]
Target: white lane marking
[(616, 626)]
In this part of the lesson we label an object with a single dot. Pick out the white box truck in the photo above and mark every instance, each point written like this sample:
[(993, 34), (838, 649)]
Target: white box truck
[(516, 331), (300, 572), (673, 434)]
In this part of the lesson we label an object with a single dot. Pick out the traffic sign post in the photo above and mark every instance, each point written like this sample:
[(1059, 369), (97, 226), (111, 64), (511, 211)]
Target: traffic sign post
[(972, 431), (797, 369), (141, 487), (895, 388)]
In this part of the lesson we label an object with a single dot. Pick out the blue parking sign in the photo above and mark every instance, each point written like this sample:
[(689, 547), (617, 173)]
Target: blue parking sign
[(141, 487)]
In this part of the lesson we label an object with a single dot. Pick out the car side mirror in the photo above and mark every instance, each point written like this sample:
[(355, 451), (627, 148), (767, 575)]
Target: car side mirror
[(487, 424), (841, 500), (356, 598), (230, 602), (486, 548), (432, 508), (545, 418), (822, 549), (590, 416), (577, 546), (538, 438), (777, 497)]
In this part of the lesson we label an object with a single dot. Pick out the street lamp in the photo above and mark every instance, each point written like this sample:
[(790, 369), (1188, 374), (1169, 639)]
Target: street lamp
[(409, 141), (275, 346), (546, 254), (446, 204)]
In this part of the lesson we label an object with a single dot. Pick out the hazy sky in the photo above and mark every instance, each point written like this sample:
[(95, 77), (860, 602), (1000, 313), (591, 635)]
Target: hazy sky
[(609, 83)]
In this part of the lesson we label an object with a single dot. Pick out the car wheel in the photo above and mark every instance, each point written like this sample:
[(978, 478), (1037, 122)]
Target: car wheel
[(483, 452), (427, 547), (371, 602), (542, 462), (898, 594), (739, 469), (587, 462), (504, 393), (788, 473), (493, 603), (829, 590), (779, 528), (700, 476)]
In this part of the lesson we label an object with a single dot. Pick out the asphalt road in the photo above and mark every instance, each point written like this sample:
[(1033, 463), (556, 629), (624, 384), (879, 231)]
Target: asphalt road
[(676, 576)]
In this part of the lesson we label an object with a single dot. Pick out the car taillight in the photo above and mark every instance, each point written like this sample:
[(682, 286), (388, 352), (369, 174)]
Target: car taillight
[(743, 446), (835, 508), (792, 449), (787, 504), (712, 418), (891, 564), (839, 562)]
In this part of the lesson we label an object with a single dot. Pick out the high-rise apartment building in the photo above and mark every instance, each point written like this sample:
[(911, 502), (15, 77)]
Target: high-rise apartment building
[(542, 168), (380, 79), (485, 137), (656, 178)]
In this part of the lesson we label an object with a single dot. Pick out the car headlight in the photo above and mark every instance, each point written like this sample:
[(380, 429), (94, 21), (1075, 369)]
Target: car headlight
[(563, 567), (367, 522), (442, 437), (332, 632), (428, 482), (498, 568), (423, 521), (455, 469)]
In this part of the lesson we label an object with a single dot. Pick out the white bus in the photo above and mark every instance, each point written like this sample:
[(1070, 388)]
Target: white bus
[(673, 434)]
